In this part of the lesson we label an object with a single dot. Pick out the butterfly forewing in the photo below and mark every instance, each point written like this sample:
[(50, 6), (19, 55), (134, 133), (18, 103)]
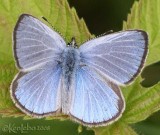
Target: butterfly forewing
[(119, 56), (35, 43)]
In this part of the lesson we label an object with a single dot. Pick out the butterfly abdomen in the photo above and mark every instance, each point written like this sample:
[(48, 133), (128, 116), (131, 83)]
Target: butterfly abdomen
[(69, 65)]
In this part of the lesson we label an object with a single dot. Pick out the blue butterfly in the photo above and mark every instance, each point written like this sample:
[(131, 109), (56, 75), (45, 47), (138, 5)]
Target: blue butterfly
[(83, 83)]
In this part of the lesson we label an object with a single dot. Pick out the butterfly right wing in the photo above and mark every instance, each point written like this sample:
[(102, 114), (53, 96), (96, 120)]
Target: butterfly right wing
[(38, 93), (94, 101)]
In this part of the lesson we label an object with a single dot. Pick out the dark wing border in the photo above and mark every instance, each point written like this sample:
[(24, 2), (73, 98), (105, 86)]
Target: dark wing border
[(145, 35)]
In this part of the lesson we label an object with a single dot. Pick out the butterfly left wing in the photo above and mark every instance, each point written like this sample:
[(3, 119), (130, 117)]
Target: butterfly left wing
[(94, 101), (118, 57)]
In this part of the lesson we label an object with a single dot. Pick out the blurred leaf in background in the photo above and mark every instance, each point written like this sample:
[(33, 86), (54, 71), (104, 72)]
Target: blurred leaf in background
[(141, 102), (104, 15)]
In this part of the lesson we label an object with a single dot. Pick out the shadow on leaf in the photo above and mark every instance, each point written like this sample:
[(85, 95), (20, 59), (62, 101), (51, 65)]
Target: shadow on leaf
[(151, 75)]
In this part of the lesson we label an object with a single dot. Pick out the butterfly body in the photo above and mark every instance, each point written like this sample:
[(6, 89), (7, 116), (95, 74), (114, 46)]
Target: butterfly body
[(56, 78), (69, 63)]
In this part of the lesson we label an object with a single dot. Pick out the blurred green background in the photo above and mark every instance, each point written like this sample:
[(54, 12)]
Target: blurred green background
[(100, 16), (104, 15)]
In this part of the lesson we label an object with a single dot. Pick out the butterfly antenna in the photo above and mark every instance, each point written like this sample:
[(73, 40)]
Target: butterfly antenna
[(53, 27), (109, 32), (47, 21)]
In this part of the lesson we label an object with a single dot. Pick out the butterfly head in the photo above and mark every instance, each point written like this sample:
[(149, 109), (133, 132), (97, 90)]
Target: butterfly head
[(73, 43)]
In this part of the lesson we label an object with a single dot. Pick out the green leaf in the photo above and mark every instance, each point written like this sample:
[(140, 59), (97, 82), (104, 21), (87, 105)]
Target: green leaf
[(118, 128), (140, 102), (61, 16)]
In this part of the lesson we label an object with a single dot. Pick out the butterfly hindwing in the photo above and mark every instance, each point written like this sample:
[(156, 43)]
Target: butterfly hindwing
[(38, 92), (94, 101), (35, 43), (119, 56)]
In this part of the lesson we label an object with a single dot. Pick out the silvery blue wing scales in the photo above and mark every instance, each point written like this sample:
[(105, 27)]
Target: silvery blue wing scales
[(56, 78)]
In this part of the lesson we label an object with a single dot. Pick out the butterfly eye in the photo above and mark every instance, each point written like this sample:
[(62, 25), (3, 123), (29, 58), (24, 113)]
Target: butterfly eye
[(76, 46)]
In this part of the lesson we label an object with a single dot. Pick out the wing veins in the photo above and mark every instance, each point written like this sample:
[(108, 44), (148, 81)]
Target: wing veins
[(100, 94), (95, 97), (42, 91), (27, 25), (19, 39), (120, 59), (31, 54), (102, 68)]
